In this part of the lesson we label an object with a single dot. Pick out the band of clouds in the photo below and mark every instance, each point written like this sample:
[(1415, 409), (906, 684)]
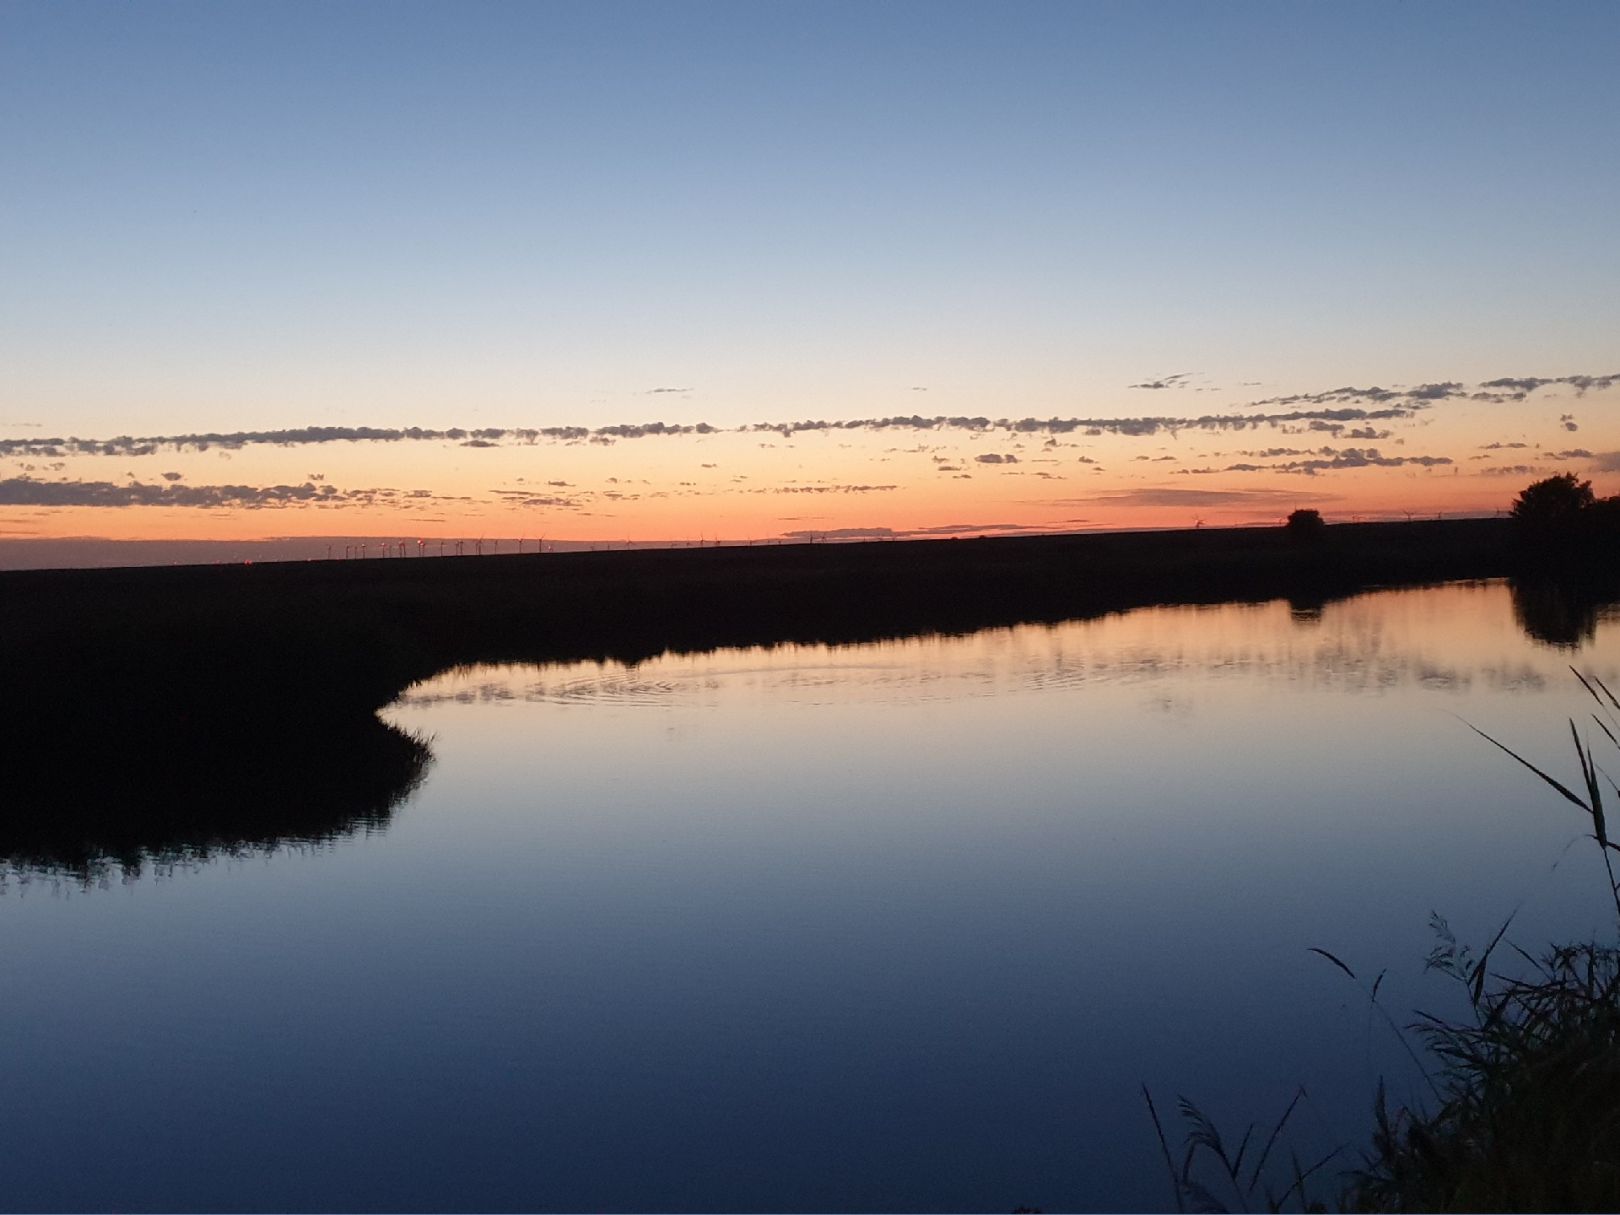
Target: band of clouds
[(129, 445), (26, 491), (1322, 410)]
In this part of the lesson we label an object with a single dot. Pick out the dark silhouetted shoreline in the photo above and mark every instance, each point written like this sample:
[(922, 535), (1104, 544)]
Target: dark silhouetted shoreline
[(226, 706)]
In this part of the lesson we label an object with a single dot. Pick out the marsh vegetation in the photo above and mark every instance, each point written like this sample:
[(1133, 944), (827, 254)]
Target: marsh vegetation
[(1524, 1091)]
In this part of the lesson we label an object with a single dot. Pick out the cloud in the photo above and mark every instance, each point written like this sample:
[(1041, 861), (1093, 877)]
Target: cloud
[(1179, 380), (1509, 470), (652, 392), (538, 501), (822, 489), (127, 445), (1194, 497), (645, 429), (1568, 421), (1521, 387), (886, 533), (1503, 446), (1435, 392), (1420, 396), (528, 498), (958, 529), (842, 533), (991, 457), (1607, 461), (1333, 460), (1129, 426), (25, 491), (1574, 453)]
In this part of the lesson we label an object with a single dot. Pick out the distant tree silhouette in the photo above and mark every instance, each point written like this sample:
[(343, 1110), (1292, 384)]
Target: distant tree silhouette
[(1555, 504), (1305, 524)]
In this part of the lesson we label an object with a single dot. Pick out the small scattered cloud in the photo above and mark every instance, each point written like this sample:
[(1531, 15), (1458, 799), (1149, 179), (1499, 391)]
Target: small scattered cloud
[(992, 457), (1419, 396), (1179, 380), (1517, 388), (1158, 497)]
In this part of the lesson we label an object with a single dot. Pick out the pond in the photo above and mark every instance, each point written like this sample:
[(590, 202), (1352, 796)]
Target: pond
[(901, 926)]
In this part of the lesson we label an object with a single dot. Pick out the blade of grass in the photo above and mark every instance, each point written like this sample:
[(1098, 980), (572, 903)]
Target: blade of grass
[(1478, 978), (1588, 686), (1515, 755), (1164, 1146), (1336, 962), (1271, 1140)]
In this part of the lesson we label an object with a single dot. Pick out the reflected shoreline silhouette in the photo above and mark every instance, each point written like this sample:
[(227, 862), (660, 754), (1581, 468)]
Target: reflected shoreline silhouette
[(156, 713), (1562, 612)]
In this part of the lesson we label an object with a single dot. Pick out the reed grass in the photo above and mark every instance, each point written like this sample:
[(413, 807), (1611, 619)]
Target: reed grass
[(1525, 1089)]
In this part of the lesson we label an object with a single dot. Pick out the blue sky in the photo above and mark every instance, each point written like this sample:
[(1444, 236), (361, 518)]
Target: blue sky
[(233, 216)]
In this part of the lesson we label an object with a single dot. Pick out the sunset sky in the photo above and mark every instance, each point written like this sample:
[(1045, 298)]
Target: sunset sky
[(753, 271)]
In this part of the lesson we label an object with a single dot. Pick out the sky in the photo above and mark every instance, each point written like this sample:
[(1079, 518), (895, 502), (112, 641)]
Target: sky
[(673, 272)]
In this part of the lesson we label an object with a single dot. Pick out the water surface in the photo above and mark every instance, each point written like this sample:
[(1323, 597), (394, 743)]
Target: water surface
[(895, 926)]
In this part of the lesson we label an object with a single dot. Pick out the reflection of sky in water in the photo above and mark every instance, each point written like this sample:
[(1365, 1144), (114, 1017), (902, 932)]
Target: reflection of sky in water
[(1451, 638), (891, 926)]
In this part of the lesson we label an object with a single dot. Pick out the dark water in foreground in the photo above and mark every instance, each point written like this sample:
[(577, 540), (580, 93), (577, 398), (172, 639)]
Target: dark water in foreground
[(900, 926)]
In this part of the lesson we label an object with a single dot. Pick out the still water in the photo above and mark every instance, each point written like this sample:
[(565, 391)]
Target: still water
[(895, 926)]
